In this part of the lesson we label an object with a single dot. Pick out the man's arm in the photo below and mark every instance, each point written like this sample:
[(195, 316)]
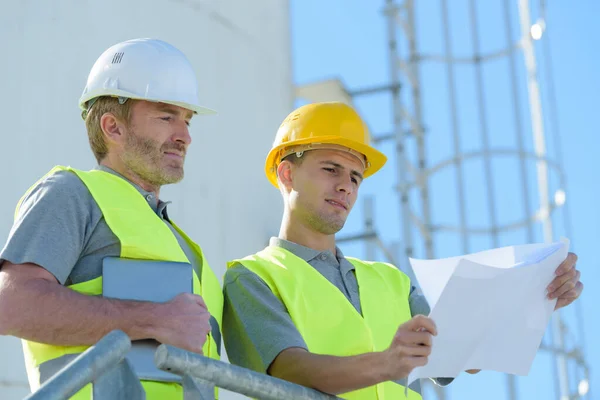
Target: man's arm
[(409, 349), (260, 334), (34, 306), (329, 374), (51, 233)]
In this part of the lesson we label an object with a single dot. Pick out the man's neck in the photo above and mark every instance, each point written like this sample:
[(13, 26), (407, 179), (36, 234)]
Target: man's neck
[(297, 232), (119, 167)]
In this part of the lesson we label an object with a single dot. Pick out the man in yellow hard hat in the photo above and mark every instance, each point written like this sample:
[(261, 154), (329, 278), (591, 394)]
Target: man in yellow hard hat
[(302, 311), (73, 229)]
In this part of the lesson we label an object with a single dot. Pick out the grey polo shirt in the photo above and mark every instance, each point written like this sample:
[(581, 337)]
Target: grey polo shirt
[(60, 227), (256, 324)]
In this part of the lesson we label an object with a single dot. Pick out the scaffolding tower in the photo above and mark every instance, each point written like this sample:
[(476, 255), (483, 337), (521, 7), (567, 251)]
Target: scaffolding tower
[(540, 185)]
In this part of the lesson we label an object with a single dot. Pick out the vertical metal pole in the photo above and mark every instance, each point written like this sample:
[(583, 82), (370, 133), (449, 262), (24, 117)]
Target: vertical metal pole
[(197, 389), (553, 108), (483, 126), (120, 383), (511, 384), (518, 121), (458, 168), (403, 190), (418, 118), (369, 227), (535, 106), (511, 379), (542, 176)]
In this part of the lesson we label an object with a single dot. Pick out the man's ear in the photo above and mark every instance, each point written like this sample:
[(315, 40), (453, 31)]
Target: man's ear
[(112, 128), (285, 171)]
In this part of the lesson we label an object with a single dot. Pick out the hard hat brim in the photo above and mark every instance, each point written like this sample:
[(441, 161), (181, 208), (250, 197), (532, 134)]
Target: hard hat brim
[(200, 110), (375, 159)]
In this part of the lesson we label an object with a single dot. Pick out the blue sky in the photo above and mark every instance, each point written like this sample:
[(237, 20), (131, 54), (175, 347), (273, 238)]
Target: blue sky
[(347, 40)]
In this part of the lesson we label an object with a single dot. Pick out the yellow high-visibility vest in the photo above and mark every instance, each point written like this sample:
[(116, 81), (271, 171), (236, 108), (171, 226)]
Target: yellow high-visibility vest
[(143, 235), (327, 321)]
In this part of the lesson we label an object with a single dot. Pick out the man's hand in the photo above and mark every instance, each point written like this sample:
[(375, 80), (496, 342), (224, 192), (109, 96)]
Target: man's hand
[(185, 322), (410, 347), (566, 287)]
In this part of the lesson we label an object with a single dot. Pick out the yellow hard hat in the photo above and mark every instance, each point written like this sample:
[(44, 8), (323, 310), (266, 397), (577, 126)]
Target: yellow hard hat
[(318, 124)]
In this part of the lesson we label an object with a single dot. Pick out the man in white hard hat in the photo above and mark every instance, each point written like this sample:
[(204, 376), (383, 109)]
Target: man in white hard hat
[(138, 102)]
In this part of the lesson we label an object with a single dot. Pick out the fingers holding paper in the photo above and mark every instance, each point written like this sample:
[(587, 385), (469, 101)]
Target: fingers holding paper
[(566, 287), (410, 347)]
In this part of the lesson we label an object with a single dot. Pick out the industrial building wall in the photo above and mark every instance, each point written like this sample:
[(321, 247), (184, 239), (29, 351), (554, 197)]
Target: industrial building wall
[(241, 52)]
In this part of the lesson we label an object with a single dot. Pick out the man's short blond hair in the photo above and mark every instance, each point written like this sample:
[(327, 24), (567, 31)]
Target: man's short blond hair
[(92, 122)]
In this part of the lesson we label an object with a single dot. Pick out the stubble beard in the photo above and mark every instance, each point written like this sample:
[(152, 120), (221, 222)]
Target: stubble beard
[(145, 158)]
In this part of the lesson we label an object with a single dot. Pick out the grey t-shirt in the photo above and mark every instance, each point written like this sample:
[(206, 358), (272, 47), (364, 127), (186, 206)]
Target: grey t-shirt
[(256, 324), (60, 227)]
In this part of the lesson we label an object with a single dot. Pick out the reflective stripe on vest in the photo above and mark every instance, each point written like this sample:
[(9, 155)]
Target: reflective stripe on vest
[(126, 211), (327, 321)]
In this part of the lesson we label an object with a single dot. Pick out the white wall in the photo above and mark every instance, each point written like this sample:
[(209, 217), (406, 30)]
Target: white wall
[(241, 52)]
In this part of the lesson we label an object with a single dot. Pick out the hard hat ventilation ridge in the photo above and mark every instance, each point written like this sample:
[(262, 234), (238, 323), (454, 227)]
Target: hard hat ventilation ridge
[(117, 58)]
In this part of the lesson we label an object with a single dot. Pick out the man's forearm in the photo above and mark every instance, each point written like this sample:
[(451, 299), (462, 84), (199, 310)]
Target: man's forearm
[(329, 374), (46, 312)]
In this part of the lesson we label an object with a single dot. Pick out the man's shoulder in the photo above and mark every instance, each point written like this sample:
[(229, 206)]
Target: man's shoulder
[(60, 181), (236, 270), (58, 187)]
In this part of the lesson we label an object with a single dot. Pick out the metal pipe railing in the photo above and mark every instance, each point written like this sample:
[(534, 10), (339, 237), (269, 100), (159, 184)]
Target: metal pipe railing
[(105, 367), (233, 378), (86, 368)]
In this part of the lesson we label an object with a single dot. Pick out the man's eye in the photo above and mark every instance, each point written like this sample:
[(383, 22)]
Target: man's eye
[(329, 169), (167, 118)]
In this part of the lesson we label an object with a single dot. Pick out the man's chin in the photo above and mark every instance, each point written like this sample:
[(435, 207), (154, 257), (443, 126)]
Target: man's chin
[(174, 179), (168, 179), (173, 174), (333, 229)]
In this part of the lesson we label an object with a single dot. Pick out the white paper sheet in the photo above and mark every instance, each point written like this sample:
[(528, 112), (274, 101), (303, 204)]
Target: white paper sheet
[(490, 308)]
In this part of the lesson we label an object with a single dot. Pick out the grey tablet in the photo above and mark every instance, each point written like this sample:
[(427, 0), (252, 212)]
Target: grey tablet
[(146, 280)]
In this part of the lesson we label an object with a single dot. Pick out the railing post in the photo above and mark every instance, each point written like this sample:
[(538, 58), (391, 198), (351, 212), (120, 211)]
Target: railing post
[(119, 383), (87, 367), (197, 389)]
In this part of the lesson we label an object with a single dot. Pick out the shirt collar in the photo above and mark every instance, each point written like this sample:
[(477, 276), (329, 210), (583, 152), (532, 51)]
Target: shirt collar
[(305, 253), (159, 207)]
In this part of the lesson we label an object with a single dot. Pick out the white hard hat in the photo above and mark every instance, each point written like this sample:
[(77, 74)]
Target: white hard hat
[(144, 69)]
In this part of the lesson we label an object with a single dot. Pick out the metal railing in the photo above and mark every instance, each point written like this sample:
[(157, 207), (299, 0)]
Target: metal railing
[(107, 369), (232, 377), (103, 365)]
